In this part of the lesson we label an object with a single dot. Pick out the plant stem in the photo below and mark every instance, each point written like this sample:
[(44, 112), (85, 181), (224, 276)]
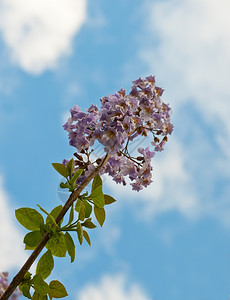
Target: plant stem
[(73, 196)]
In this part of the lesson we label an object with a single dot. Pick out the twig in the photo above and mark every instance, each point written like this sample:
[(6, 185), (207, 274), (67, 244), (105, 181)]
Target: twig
[(73, 196)]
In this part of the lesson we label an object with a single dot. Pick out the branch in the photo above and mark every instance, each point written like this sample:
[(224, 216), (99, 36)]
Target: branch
[(73, 196)]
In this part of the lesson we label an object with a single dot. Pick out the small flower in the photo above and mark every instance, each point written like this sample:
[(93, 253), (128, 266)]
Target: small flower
[(120, 120)]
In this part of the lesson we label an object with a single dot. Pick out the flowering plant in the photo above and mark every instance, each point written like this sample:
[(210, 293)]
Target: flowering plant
[(121, 119)]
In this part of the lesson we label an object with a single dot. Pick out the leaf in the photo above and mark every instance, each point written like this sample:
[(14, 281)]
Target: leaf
[(78, 205), (75, 176), (45, 264), (99, 214), (108, 199), (40, 286), (64, 185), (29, 218), (89, 224), (57, 289), (70, 167), (61, 169), (79, 232), (88, 209), (54, 213), (32, 239), (70, 246), (49, 215), (96, 183), (35, 296), (86, 236), (25, 289), (98, 197), (81, 215), (71, 216), (27, 275), (29, 248), (57, 245)]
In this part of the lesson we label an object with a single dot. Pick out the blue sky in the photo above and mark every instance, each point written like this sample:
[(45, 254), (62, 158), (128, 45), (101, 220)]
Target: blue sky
[(172, 240)]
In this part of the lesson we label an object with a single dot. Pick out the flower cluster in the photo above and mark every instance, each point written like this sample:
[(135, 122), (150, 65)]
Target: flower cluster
[(121, 119), (4, 285)]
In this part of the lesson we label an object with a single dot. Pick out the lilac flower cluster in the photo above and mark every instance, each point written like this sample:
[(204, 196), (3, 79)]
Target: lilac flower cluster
[(121, 119), (4, 285)]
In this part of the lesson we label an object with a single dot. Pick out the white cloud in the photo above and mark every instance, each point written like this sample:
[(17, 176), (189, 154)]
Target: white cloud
[(191, 51), (187, 46), (112, 288), (172, 187), (38, 33), (12, 254)]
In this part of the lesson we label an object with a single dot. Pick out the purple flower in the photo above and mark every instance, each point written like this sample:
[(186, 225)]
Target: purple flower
[(76, 113), (65, 162), (120, 120), (147, 154), (136, 186)]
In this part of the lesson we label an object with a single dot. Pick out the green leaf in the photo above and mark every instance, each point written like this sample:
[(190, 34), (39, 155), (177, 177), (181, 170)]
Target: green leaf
[(86, 236), (27, 276), (57, 289), (48, 214), (98, 197), (71, 215), (96, 183), (78, 205), (35, 296), (99, 214), (75, 176), (32, 239), (40, 286), (108, 199), (53, 215), (61, 169), (29, 218), (64, 185), (70, 167), (79, 232), (25, 289), (88, 209), (57, 245), (89, 224), (45, 264), (81, 215), (70, 246), (29, 248)]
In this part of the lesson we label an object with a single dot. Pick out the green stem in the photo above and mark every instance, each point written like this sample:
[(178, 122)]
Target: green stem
[(64, 228)]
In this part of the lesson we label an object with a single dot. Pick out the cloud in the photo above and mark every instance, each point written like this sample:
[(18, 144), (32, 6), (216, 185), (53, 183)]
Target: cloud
[(38, 33), (112, 287), (191, 51), (12, 254), (186, 44)]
